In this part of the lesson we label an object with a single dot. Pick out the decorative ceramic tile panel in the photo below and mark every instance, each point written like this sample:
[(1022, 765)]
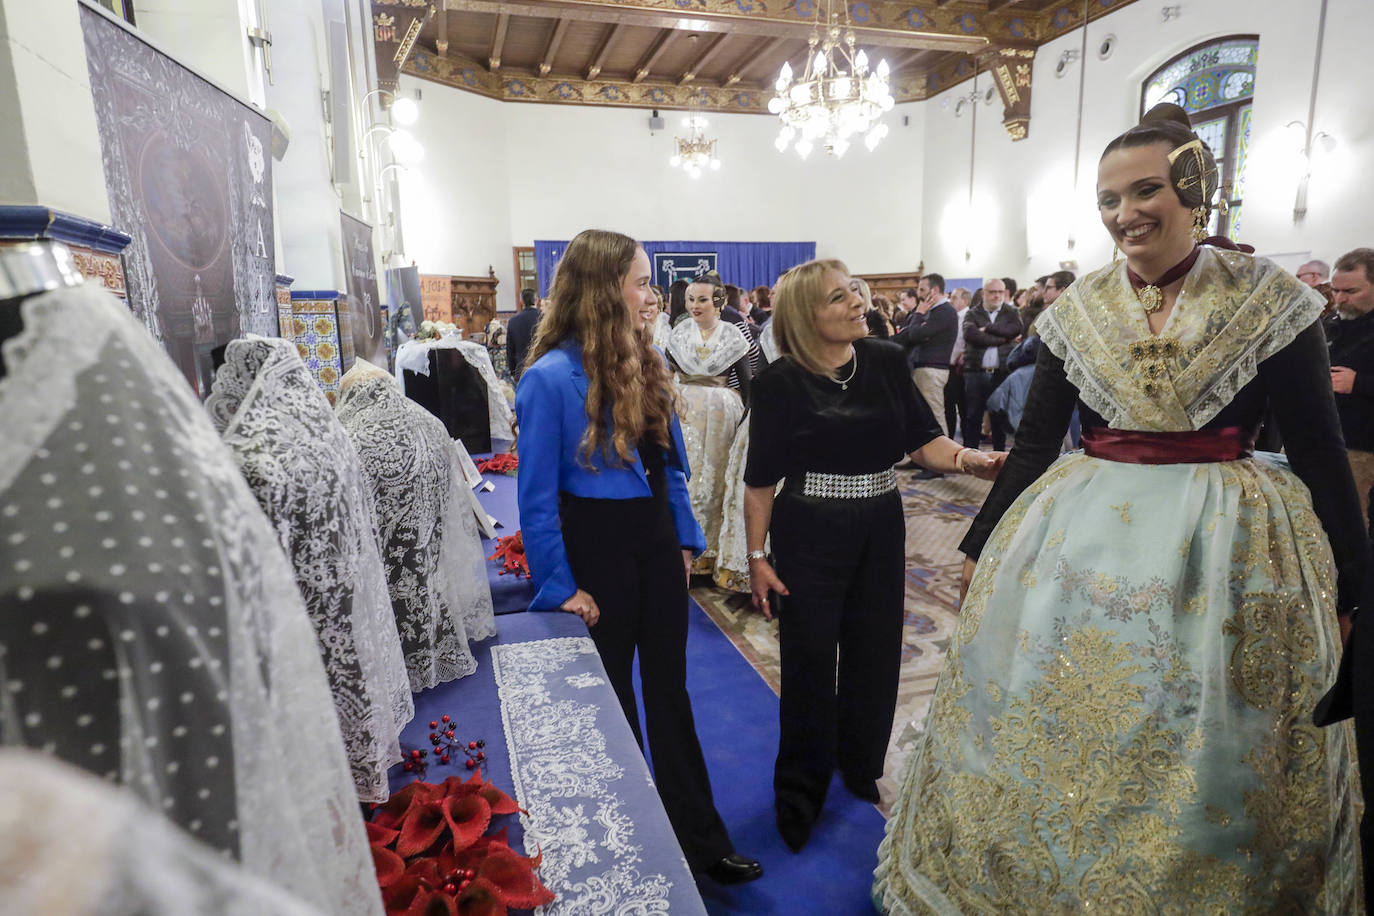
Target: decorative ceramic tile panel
[(316, 330)]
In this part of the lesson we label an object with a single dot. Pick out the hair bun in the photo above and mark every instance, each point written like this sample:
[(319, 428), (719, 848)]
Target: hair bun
[(1167, 112)]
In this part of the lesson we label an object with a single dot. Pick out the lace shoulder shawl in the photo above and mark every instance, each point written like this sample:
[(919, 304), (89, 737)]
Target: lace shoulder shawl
[(1235, 311), (306, 475), (713, 357)]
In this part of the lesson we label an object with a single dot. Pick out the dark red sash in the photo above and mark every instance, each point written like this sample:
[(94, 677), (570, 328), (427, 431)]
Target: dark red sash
[(1202, 446)]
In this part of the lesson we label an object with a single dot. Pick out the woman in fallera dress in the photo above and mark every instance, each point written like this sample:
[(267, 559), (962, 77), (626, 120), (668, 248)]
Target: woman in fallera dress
[(1124, 721), (710, 359)]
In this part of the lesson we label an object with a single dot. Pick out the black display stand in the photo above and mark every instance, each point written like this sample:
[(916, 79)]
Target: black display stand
[(455, 392)]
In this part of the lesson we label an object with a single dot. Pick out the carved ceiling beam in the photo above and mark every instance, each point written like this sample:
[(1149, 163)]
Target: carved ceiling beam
[(889, 23), (395, 26), (498, 41), (651, 56), (903, 59), (760, 49), (611, 35), (706, 57), (995, 5), (555, 40)]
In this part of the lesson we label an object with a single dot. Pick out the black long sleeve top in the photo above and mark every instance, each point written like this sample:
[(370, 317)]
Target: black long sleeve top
[(1352, 346), (807, 422), (1295, 381)]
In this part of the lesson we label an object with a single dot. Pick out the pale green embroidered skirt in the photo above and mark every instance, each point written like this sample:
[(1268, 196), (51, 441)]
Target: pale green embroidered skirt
[(1124, 721)]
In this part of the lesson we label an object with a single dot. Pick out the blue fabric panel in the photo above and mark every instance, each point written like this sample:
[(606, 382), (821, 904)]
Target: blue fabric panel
[(745, 264)]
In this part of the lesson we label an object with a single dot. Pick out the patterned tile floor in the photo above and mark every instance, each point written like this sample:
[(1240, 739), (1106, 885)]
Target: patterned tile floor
[(938, 513)]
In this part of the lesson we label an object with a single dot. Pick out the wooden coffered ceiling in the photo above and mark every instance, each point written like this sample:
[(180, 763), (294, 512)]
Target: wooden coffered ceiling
[(721, 54)]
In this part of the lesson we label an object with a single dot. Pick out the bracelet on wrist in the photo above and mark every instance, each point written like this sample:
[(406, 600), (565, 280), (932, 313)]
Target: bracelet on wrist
[(756, 555), (959, 459)]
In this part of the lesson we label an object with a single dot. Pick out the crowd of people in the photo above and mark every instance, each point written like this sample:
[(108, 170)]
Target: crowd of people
[(1151, 610)]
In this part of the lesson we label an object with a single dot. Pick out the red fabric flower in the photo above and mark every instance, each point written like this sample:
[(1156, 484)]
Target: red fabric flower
[(511, 552), (499, 464)]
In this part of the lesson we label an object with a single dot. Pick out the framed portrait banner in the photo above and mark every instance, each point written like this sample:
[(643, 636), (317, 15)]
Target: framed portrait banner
[(364, 304), (189, 177), (670, 266)]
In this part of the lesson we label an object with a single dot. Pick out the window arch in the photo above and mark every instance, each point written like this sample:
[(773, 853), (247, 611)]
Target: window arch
[(1215, 83)]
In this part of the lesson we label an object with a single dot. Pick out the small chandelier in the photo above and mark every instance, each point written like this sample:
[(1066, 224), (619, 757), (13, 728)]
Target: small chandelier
[(837, 95), (694, 152)]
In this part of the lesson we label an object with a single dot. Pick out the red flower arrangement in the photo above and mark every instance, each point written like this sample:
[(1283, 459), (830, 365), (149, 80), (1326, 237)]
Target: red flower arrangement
[(434, 857), (500, 464), (511, 552)]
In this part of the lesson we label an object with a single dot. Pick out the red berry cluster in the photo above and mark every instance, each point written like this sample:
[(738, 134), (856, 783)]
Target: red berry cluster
[(444, 746), (458, 882)]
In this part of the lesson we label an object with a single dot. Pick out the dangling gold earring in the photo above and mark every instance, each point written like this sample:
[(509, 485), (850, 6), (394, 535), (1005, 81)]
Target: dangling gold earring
[(1199, 223)]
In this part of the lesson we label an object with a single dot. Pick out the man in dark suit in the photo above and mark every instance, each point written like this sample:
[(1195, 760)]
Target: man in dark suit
[(1351, 339), (990, 332), (929, 340), (520, 331)]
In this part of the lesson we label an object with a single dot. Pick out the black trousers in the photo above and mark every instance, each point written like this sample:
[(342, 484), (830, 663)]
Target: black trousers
[(978, 387), (842, 561), (625, 554), (954, 400)]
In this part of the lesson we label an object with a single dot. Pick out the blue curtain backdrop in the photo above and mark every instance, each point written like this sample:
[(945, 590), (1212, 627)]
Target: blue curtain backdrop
[(745, 264)]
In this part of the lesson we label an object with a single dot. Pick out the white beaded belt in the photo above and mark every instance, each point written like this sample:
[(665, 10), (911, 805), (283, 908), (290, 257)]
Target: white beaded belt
[(849, 486)]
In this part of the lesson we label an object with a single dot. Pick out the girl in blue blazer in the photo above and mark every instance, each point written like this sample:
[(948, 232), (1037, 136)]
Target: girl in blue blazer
[(604, 512)]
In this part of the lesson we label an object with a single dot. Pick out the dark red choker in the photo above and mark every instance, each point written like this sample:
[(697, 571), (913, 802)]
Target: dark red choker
[(1151, 295)]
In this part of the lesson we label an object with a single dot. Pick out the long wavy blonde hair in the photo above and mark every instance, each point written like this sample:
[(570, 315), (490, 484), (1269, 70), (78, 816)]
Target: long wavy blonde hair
[(629, 392)]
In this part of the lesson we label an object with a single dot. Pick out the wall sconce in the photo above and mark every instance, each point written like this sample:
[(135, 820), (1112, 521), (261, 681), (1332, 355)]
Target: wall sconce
[(1305, 146), (1065, 59)]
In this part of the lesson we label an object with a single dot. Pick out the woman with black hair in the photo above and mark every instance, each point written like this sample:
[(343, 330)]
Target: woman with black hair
[(1124, 721)]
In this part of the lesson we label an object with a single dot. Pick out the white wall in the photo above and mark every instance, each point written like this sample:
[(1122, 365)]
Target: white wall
[(50, 146), (498, 175), (1035, 174)]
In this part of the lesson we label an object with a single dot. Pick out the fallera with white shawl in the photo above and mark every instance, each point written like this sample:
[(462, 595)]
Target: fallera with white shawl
[(1124, 721)]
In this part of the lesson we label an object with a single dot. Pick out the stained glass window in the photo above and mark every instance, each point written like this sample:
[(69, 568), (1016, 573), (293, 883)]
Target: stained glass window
[(1215, 84)]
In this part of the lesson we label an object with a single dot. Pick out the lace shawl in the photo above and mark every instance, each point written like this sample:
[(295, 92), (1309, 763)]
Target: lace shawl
[(662, 328), (695, 356), (124, 858), (414, 355), (435, 565), (1235, 310), (767, 342), (305, 473), (152, 629)]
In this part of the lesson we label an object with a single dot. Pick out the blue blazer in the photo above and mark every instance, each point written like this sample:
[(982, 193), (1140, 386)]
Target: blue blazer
[(551, 409)]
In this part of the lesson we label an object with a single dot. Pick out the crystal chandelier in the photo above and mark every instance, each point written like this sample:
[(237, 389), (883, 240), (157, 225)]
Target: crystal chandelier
[(837, 95), (694, 152)]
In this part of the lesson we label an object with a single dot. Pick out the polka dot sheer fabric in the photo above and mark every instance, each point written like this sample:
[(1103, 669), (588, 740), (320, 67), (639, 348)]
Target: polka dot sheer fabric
[(305, 473), (123, 859), (152, 630), (435, 565)]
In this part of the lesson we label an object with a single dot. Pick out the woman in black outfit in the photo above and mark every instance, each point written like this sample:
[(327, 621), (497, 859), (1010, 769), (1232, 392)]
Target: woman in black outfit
[(832, 416)]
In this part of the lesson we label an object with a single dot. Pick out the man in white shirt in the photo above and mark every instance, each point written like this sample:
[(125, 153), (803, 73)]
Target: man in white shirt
[(954, 387)]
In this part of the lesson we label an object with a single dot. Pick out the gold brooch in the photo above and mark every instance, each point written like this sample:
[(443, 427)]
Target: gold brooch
[(1151, 298), (703, 352)]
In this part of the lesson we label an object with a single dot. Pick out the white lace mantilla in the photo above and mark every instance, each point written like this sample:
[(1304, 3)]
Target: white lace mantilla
[(768, 343), (414, 355), (578, 797), (436, 568), (152, 630), (1235, 311), (713, 356), (306, 475)]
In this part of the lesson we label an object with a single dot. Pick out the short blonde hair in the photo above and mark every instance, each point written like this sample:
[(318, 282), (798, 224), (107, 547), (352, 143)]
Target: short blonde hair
[(865, 293), (799, 295)]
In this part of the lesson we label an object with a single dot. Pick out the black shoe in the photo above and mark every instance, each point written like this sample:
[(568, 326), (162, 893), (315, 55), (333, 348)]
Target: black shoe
[(735, 869), (928, 474), (863, 789), (794, 827)]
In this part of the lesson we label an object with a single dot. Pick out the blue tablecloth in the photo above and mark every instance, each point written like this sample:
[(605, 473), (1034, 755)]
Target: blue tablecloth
[(557, 741), (509, 593)]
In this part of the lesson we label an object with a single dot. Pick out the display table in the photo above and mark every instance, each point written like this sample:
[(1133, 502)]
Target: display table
[(509, 593), (557, 741)]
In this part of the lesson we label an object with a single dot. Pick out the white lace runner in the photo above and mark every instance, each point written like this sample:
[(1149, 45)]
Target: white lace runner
[(715, 356), (414, 355), (306, 475), (124, 858), (435, 565), (606, 843), (152, 630)]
